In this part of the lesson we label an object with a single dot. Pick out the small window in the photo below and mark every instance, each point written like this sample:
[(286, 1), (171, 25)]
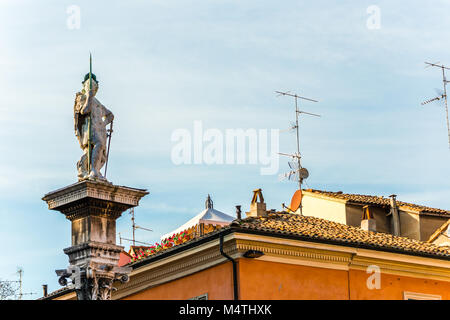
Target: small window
[(420, 296), (201, 297)]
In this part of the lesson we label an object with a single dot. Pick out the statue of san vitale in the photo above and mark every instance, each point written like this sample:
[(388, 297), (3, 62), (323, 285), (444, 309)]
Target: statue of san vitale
[(91, 119)]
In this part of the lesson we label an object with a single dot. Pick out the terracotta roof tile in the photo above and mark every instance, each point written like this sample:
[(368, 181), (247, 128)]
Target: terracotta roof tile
[(317, 229), (58, 292), (377, 200), (321, 229)]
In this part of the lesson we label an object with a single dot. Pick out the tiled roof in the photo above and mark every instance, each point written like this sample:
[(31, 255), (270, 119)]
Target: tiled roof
[(377, 200), (173, 241), (311, 228), (57, 293), (190, 241), (316, 229), (320, 229)]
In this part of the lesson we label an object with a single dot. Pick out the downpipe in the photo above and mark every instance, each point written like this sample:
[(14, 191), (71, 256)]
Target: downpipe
[(234, 263)]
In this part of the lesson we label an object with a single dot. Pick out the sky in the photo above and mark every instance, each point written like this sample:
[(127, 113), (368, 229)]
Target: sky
[(162, 65)]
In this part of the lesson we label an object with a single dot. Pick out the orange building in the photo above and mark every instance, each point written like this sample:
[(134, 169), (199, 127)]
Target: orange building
[(287, 256)]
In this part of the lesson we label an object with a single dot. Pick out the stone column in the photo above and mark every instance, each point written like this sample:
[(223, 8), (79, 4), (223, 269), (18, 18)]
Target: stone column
[(93, 208)]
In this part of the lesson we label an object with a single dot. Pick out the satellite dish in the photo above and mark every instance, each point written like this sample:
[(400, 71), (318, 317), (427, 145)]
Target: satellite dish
[(296, 200), (304, 173)]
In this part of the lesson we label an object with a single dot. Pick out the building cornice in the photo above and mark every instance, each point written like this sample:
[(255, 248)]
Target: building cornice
[(178, 265), (281, 250), (344, 258)]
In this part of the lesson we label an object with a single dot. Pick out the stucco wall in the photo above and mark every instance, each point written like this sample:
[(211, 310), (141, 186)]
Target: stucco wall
[(323, 208), (429, 224), (280, 281), (409, 225), (392, 287), (264, 280), (272, 280), (354, 216), (216, 281)]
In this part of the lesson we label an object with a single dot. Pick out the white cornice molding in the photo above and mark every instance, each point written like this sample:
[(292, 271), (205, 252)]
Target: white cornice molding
[(96, 190)]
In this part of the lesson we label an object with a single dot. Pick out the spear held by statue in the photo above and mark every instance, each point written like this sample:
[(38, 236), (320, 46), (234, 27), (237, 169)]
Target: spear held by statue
[(89, 116), (110, 131)]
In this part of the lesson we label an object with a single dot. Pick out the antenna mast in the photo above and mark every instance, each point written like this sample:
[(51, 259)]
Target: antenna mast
[(134, 227), (301, 175), (21, 294), (444, 95), (20, 272)]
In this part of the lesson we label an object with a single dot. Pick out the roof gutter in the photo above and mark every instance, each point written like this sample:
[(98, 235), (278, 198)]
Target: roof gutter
[(235, 288)]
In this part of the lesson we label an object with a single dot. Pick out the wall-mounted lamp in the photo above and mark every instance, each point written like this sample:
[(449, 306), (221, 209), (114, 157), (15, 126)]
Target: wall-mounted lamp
[(252, 254)]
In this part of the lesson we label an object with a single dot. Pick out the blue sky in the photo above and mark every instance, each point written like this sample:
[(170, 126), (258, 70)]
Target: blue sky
[(164, 64)]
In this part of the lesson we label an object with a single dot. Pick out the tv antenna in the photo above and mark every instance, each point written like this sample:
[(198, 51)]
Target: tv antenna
[(131, 240), (297, 173), (441, 95), (134, 227), (20, 281)]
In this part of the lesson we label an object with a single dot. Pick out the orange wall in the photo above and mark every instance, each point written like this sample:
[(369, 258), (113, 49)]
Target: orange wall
[(392, 287), (279, 281), (272, 280), (216, 281)]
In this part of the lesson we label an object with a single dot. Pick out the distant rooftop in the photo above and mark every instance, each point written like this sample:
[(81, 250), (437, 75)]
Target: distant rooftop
[(377, 200)]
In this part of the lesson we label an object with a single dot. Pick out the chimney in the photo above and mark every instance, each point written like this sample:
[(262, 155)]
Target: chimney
[(238, 213), (257, 208), (395, 215), (45, 289), (368, 223)]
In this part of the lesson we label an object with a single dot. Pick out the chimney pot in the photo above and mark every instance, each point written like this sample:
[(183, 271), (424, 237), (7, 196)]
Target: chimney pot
[(257, 208), (45, 289), (368, 223), (395, 215), (238, 212)]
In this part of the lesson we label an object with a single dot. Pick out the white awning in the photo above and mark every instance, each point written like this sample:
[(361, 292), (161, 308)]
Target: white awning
[(207, 216)]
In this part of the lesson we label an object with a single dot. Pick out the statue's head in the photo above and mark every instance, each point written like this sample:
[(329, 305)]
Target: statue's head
[(94, 83)]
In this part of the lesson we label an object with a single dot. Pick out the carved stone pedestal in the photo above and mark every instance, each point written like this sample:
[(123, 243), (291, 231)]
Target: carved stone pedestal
[(93, 208)]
